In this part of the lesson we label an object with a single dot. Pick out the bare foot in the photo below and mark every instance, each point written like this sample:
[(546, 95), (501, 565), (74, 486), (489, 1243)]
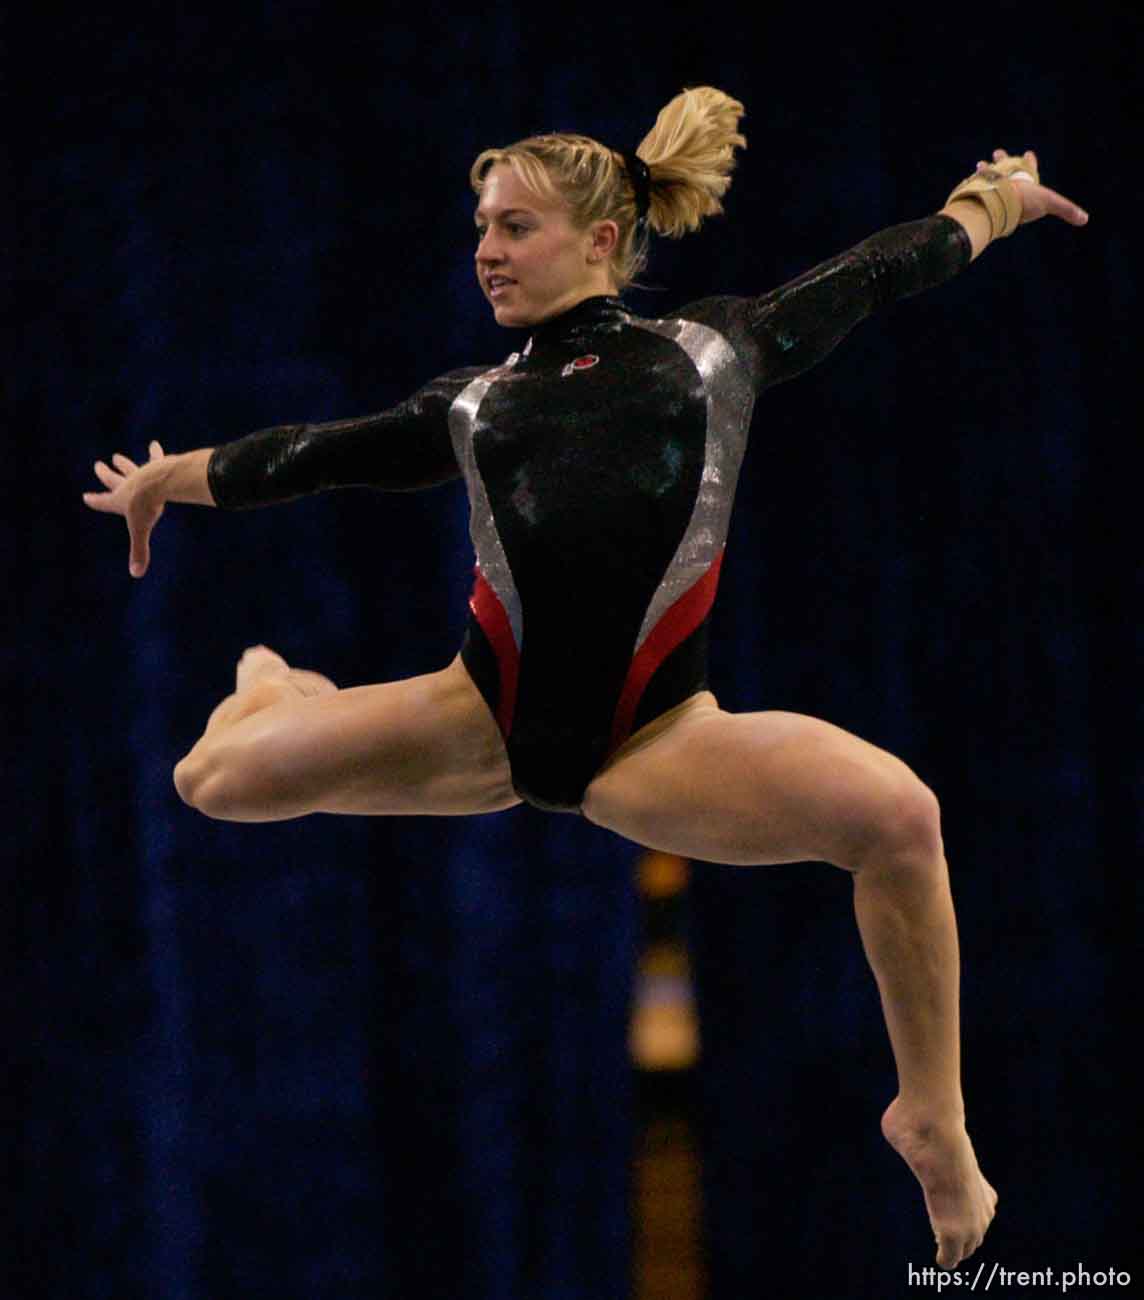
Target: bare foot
[(959, 1201), (259, 662)]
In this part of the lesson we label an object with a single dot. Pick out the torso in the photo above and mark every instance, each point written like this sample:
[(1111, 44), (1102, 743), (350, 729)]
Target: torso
[(601, 465)]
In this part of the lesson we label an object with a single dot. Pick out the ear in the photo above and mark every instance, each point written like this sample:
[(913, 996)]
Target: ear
[(605, 237)]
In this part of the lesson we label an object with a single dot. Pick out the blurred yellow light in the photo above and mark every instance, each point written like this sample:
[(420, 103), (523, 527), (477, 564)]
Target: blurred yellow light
[(661, 875)]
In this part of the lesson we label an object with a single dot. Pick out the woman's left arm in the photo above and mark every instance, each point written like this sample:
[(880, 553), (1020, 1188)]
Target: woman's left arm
[(792, 328)]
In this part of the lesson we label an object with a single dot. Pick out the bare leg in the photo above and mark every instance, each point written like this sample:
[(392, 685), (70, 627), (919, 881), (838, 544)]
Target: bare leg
[(906, 919), (288, 743), (776, 787)]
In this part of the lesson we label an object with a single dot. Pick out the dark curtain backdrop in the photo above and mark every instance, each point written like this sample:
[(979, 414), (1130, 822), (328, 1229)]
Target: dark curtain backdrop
[(364, 1058)]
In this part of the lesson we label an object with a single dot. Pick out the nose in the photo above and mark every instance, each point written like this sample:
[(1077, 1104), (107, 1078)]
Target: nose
[(488, 249)]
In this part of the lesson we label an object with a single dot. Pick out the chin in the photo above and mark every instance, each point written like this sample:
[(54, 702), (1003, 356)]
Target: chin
[(512, 317)]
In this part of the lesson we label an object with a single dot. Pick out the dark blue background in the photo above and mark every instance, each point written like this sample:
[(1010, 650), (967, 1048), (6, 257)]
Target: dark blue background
[(343, 1058)]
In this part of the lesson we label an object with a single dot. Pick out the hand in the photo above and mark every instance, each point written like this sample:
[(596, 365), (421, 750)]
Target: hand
[(136, 493), (1038, 200)]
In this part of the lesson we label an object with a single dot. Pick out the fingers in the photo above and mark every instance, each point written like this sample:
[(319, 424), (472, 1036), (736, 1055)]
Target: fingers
[(107, 476), (100, 501), (140, 533), (999, 155), (1041, 201), (124, 465), (105, 501), (120, 498), (1066, 209)]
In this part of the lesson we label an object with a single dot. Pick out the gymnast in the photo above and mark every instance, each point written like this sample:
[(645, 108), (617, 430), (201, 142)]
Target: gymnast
[(600, 463)]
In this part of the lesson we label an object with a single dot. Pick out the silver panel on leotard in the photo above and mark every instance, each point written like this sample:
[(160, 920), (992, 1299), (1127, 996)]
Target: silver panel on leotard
[(482, 527), (730, 398)]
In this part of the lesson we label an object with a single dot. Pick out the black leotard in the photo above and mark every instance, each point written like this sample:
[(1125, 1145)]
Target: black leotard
[(601, 464)]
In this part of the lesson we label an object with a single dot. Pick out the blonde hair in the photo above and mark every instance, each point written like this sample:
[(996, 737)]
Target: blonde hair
[(689, 154)]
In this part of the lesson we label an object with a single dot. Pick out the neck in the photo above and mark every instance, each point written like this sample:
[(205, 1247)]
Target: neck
[(602, 287), (579, 320)]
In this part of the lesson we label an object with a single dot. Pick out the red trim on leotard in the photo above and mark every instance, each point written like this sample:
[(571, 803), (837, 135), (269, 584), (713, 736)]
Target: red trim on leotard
[(676, 625), (494, 623)]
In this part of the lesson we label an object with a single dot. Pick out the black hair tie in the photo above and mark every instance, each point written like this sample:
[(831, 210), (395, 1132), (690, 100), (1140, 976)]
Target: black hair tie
[(641, 182)]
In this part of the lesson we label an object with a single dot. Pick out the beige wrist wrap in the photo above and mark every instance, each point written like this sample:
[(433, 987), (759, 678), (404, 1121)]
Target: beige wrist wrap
[(992, 187)]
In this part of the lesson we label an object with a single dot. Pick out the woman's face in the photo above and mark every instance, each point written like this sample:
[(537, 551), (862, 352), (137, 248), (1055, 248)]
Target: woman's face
[(531, 261)]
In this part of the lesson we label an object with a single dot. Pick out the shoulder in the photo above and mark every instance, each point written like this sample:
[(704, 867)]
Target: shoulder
[(455, 380), (720, 310), (714, 330), (444, 390), (722, 314), (725, 315)]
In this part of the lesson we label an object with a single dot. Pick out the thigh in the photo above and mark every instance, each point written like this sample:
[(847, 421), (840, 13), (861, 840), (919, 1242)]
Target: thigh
[(421, 746), (751, 788)]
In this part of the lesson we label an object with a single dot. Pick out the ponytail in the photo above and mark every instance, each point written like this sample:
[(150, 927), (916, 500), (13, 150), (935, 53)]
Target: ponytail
[(689, 154)]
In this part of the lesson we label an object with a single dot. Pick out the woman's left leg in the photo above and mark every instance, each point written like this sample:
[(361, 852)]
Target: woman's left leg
[(775, 787)]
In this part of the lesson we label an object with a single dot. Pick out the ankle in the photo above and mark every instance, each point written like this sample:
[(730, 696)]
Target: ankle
[(925, 1116)]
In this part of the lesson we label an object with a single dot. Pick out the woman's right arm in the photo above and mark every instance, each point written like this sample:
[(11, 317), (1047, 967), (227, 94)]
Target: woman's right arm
[(401, 449), (139, 493)]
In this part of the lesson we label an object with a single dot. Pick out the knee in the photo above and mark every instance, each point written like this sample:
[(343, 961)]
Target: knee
[(900, 824)]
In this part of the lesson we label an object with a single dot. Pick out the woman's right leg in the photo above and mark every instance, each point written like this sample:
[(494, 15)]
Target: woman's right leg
[(288, 743)]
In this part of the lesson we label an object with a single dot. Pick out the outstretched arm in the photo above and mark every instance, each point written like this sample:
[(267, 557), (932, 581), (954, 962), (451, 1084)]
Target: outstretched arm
[(1034, 199), (402, 449), (784, 332)]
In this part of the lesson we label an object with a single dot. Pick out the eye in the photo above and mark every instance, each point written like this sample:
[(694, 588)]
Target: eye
[(516, 229)]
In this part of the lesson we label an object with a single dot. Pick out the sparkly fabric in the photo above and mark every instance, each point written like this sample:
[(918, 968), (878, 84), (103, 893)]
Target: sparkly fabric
[(401, 449), (601, 465), (730, 397), (493, 562)]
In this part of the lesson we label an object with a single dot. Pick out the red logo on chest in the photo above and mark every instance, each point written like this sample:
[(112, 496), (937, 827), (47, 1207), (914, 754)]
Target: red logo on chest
[(581, 363)]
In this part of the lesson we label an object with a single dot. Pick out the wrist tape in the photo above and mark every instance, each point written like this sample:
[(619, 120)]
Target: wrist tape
[(993, 188)]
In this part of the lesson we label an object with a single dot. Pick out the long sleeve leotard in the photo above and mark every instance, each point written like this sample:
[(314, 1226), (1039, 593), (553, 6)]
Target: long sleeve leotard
[(601, 464)]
